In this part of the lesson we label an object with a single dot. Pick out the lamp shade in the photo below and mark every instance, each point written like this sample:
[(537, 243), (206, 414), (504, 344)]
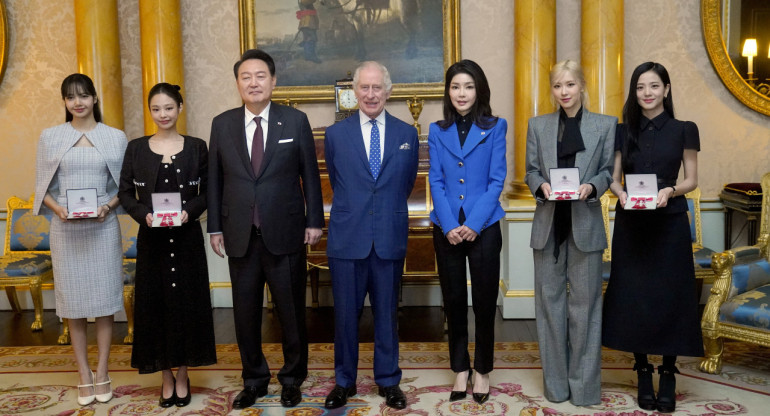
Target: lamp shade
[(750, 47)]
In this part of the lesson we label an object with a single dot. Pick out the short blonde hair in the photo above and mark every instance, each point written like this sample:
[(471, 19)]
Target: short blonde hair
[(573, 68)]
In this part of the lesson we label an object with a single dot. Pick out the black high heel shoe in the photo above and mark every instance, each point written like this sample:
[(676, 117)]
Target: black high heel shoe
[(667, 389), (456, 395), (645, 392), (170, 401), (480, 398), (184, 401)]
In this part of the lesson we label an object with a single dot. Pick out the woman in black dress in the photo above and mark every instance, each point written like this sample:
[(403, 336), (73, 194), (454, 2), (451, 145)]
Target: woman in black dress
[(651, 306), (174, 325)]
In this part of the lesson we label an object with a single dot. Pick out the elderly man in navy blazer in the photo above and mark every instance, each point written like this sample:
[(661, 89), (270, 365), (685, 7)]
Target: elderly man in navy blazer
[(265, 204), (372, 162)]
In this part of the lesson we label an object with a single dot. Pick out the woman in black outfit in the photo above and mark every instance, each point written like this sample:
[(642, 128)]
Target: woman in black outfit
[(174, 325), (651, 305)]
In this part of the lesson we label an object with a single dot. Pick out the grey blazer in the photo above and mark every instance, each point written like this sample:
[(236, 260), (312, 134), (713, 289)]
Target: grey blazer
[(55, 141), (595, 164)]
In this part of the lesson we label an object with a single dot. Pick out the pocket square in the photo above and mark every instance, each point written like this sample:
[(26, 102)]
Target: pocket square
[(405, 146), (286, 140)]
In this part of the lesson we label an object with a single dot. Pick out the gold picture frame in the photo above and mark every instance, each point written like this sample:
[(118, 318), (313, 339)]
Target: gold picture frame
[(715, 45), (325, 93), (3, 40)]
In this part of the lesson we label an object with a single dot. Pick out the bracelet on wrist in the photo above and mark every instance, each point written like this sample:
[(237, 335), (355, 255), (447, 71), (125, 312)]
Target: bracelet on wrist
[(108, 207), (673, 191)]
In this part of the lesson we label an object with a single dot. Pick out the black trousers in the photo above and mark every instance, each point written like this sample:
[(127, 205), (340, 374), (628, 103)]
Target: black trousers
[(483, 256), (285, 275)]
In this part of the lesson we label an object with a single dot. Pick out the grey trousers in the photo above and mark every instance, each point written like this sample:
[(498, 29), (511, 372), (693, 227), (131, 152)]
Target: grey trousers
[(569, 323)]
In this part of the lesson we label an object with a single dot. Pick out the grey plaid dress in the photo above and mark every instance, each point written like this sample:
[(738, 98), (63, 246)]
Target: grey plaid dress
[(87, 255)]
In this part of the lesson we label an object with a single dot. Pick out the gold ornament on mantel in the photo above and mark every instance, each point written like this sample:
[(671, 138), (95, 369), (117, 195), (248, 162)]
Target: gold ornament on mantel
[(415, 107), (289, 103)]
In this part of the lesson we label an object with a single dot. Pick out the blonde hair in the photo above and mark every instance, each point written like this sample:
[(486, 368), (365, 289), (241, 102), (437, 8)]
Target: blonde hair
[(573, 68)]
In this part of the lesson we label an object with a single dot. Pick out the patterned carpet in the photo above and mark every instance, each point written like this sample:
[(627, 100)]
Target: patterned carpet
[(41, 381)]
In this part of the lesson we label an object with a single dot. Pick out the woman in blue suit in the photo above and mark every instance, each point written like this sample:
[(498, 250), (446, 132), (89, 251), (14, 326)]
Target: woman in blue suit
[(467, 173)]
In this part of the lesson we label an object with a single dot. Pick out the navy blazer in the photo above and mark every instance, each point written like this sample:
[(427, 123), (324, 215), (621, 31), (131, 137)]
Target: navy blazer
[(286, 190), (366, 212), (470, 177)]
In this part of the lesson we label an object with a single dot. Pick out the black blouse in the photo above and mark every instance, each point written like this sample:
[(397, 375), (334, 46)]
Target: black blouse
[(659, 150), (464, 124)]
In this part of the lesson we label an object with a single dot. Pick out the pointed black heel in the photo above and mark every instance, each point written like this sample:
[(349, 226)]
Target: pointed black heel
[(456, 395), (480, 398)]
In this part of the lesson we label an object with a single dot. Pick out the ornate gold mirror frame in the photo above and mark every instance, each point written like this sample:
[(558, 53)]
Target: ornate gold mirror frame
[(712, 35), (3, 40)]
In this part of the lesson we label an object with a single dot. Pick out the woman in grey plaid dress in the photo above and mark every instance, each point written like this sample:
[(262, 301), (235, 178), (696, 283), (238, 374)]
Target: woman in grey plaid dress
[(86, 253)]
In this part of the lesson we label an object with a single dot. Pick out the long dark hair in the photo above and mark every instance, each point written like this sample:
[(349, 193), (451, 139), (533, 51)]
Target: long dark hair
[(171, 90), (632, 112), (77, 84), (481, 112)]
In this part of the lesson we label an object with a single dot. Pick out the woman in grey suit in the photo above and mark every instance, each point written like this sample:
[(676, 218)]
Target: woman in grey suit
[(568, 238), (87, 255)]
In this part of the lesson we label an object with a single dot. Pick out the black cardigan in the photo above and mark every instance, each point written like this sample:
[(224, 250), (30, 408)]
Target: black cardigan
[(140, 172)]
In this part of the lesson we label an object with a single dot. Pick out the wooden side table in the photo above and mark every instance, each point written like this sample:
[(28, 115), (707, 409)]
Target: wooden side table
[(751, 208)]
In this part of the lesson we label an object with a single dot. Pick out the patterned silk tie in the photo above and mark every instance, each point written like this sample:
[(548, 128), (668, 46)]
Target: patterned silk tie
[(257, 152), (374, 150)]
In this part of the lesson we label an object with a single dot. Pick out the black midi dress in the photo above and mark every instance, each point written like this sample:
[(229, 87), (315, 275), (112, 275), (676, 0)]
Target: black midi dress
[(651, 304), (173, 317)]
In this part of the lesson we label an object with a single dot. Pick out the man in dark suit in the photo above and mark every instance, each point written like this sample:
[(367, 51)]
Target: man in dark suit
[(264, 204), (372, 162)]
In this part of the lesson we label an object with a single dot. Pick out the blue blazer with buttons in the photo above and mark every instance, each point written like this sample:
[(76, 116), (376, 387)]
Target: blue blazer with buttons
[(365, 212), (470, 177)]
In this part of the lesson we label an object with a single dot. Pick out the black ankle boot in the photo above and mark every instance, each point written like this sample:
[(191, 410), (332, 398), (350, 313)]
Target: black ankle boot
[(667, 389), (646, 393)]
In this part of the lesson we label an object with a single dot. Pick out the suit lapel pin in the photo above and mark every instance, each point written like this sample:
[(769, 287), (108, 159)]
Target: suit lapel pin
[(483, 133), (279, 123)]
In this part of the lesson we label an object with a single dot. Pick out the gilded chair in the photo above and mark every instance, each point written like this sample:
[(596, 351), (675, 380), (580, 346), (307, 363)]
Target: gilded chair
[(607, 254), (26, 261), (737, 307), (701, 255), (129, 230)]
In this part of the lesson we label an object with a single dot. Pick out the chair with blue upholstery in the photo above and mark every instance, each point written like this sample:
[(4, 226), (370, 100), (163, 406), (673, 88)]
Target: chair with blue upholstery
[(738, 306), (129, 229), (701, 255), (26, 261)]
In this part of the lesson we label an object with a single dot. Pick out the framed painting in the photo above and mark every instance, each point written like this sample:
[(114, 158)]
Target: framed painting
[(316, 42), (3, 40)]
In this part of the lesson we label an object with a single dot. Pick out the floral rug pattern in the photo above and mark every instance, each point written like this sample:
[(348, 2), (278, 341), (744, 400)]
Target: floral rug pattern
[(41, 381)]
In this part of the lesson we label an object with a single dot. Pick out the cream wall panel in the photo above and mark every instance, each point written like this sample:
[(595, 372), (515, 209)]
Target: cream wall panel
[(131, 61), (41, 53)]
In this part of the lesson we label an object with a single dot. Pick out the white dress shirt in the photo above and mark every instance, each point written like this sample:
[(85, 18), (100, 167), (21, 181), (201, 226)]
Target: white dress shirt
[(251, 126), (366, 131)]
